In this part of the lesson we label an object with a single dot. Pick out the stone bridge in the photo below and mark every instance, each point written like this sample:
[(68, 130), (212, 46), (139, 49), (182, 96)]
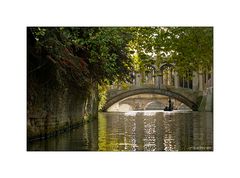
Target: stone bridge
[(186, 96), (164, 81)]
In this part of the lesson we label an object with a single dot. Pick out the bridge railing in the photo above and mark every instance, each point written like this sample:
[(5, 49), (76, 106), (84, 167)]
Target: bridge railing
[(117, 89)]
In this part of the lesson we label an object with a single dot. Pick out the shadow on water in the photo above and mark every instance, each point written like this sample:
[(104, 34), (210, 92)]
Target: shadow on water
[(152, 130)]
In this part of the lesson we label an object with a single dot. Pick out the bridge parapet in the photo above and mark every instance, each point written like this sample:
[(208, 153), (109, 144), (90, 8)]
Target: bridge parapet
[(118, 90)]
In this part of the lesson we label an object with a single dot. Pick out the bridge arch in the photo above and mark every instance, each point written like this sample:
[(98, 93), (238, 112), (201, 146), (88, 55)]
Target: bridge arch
[(154, 105), (165, 92), (166, 65)]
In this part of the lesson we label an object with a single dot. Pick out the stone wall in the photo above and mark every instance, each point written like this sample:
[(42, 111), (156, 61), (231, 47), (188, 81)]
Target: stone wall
[(55, 104), (207, 101)]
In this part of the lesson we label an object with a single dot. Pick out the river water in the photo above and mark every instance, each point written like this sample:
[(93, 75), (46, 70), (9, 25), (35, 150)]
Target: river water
[(136, 131)]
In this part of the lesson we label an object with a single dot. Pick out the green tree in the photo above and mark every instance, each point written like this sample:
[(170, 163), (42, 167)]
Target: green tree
[(96, 53), (190, 48)]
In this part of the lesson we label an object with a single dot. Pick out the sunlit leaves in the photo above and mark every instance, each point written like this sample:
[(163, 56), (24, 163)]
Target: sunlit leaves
[(194, 47), (189, 48)]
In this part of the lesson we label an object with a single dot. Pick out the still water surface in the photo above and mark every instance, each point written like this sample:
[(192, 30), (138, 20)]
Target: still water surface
[(137, 131)]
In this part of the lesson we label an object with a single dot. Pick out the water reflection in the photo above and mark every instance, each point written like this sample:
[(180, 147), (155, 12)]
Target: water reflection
[(169, 133), (149, 134), (138, 131)]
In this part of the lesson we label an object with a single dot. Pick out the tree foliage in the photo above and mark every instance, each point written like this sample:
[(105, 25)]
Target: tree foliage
[(108, 54), (189, 48), (86, 54), (192, 48)]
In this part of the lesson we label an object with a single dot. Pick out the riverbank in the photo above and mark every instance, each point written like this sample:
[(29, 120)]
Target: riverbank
[(61, 93), (51, 111)]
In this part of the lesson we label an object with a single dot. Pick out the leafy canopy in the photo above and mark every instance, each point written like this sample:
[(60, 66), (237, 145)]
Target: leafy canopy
[(190, 48), (88, 53), (110, 54)]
